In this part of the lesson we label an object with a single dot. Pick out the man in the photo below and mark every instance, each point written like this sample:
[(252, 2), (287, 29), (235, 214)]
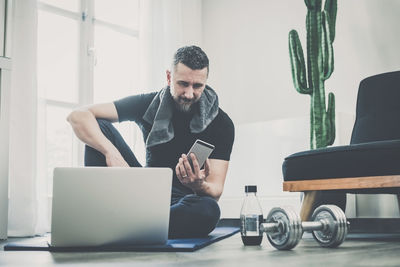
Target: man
[(170, 120)]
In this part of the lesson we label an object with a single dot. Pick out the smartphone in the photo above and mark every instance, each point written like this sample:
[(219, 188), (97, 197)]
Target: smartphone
[(202, 151)]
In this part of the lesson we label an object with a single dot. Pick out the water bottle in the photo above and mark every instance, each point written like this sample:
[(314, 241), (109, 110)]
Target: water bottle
[(251, 217)]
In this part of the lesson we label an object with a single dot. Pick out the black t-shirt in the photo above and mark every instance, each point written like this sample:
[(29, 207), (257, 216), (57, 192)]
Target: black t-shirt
[(220, 133)]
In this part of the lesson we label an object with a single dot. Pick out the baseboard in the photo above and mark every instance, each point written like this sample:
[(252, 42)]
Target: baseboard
[(231, 206)]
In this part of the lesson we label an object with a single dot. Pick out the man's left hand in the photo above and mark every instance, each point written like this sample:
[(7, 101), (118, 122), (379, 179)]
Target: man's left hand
[(194, 179)]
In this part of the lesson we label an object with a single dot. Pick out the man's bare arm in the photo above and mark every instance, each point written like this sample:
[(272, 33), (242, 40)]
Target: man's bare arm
[(208, 181), (215, 181), (86, 128)]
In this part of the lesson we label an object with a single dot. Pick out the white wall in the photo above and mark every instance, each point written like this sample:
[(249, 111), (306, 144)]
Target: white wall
[(5, 94), (5, 74), (247, 43)]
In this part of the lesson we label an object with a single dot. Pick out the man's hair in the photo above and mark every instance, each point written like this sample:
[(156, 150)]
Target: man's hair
[(192, 57)]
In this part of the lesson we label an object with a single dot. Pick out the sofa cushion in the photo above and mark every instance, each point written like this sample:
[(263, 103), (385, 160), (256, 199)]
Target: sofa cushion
[(356, 160)]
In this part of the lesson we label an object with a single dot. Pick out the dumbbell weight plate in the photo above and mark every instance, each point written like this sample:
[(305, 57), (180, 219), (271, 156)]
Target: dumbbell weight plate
[(343, 225), (289, 231), (336, 232)]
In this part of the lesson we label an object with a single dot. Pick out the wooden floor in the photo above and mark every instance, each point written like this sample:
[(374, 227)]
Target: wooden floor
[(365, 250)]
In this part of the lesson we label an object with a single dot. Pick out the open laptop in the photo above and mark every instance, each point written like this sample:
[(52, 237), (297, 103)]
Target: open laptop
[(100, 206)]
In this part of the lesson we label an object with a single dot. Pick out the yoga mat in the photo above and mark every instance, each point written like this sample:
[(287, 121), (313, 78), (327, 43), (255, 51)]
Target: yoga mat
[(172, 245)]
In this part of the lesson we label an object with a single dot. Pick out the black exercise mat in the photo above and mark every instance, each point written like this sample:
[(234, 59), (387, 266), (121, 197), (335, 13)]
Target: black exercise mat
[(172, 245)]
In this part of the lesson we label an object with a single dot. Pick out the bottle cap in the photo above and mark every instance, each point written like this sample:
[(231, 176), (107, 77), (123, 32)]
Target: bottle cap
[(250, 188)]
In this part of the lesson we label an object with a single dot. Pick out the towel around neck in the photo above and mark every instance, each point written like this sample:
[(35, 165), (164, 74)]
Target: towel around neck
[(161, 109)]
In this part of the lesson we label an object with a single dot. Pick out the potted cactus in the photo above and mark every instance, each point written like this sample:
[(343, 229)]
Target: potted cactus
[(320, 24)]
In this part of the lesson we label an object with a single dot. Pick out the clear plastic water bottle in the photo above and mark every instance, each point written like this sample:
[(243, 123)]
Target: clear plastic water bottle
[(251, 217)]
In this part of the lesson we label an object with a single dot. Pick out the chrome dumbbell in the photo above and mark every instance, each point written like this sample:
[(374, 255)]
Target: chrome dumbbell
[(284, 228)]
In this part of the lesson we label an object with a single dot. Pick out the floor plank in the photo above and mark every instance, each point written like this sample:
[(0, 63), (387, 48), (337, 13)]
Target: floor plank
[(355, 251)]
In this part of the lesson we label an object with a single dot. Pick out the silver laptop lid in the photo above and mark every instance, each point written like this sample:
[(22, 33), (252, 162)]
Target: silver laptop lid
[(95, 206)]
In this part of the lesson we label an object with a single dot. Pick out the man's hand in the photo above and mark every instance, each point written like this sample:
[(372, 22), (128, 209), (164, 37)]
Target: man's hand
[(115, 160), (194, 179)]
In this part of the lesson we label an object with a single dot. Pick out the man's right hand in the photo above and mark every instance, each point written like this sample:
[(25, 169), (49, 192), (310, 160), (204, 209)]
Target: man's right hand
[(115, 160)]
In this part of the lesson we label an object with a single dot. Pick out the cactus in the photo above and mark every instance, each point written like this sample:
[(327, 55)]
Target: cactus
[(320, 26)]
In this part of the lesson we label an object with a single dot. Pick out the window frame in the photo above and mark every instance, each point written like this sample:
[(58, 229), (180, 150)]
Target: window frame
[(87, 58)]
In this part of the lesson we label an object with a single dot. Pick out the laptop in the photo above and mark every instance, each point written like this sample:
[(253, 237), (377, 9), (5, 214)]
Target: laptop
[(101, 206)]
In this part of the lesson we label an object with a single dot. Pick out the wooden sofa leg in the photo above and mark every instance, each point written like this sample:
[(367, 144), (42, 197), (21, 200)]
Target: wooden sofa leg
[(310, 198)]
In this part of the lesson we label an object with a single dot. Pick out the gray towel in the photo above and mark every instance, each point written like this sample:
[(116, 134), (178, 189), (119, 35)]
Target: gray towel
[(160, 111)]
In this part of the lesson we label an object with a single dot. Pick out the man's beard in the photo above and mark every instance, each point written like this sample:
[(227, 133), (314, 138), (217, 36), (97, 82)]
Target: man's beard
[(183, 104)]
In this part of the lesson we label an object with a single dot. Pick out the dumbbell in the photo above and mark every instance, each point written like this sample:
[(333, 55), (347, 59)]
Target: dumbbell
[(284, 228)]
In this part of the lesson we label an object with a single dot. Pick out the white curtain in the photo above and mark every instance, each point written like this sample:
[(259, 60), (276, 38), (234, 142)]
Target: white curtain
[(164, 27), (26, 194)]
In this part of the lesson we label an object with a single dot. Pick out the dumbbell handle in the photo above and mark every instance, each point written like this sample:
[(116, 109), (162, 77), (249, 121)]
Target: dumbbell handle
[(306, 226), (269, 227), (313, 226)]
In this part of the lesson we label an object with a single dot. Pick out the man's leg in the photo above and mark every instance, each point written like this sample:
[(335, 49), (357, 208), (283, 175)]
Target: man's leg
[(96, 158), (193, 216)]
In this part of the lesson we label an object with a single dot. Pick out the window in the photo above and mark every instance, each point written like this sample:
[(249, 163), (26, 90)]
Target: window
[(87, 53)]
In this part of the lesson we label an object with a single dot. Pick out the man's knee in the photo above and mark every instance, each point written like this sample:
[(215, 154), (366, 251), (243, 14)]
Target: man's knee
[(194, 216), (202, 206), (210, 210)]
